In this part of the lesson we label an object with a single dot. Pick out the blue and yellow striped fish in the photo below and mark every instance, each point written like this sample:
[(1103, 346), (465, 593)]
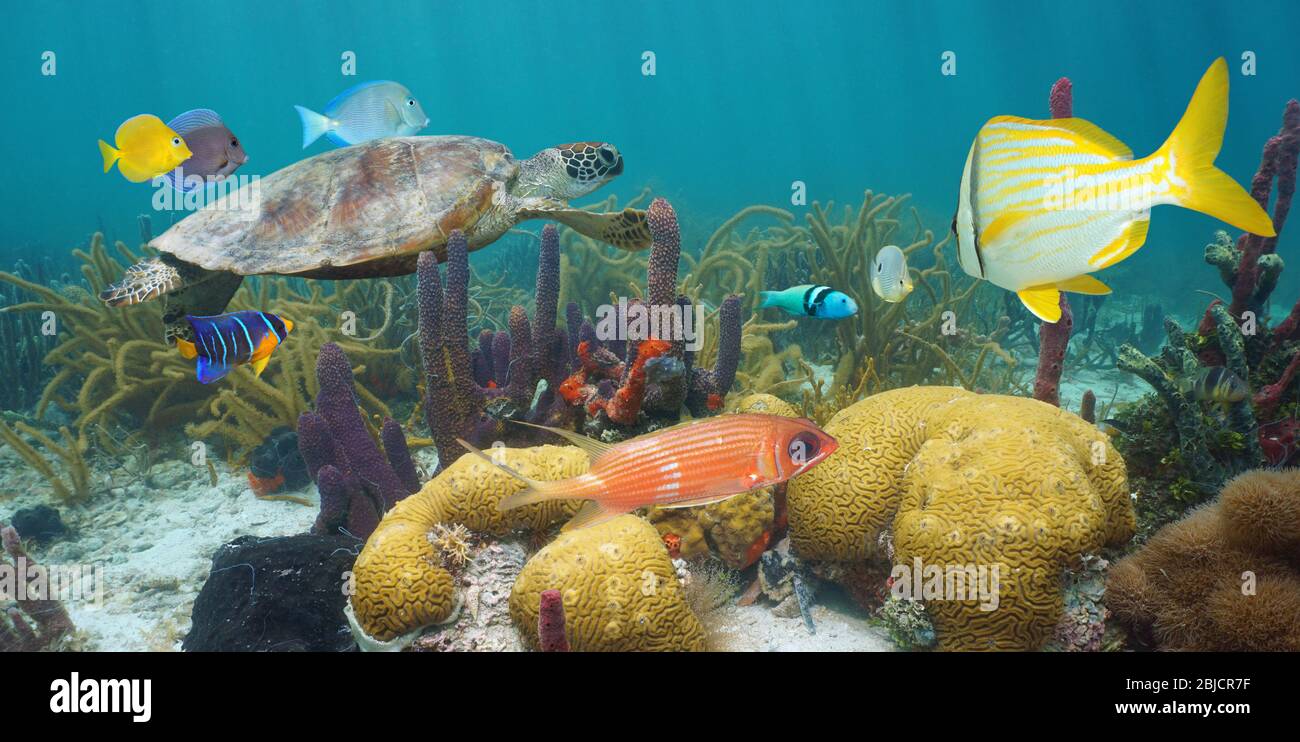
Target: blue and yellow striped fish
[(224, 341), (1045, 203)]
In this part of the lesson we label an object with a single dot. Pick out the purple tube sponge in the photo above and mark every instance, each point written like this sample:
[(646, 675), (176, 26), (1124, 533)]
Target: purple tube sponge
[(507, 365), (550, 622), (357, 481)]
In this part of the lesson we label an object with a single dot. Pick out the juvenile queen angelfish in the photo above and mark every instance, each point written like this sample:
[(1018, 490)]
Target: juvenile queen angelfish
[(696, 463), (224, 341), (1044, 203)]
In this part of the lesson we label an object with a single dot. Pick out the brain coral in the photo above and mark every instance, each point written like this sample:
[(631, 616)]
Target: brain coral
[(967, 480), (400, 584), (619, 588), (1224, 578)]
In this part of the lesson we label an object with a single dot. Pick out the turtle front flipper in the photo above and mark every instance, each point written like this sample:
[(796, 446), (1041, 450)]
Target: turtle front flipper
[(626, 230), (142, 282)]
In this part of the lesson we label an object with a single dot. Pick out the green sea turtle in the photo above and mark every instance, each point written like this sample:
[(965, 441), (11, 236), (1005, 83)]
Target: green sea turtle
[(367, 211)]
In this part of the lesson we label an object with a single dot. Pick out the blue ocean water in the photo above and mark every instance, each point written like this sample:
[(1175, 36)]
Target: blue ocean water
[(747, 96)]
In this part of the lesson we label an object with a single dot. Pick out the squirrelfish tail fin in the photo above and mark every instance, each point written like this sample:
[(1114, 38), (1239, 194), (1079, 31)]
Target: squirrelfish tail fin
[(534, 492), (1197, 184), (314, 125), (109, 154)]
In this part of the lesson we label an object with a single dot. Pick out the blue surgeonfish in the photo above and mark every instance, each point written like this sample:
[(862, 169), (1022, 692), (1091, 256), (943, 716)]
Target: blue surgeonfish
[(370, 110), (809, 300), (224, 341)]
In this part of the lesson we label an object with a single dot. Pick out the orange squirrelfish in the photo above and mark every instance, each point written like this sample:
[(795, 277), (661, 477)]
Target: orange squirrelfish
[(695, 463)]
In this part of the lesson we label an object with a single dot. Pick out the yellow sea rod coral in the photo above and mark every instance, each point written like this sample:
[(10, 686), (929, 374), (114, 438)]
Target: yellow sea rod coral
[(619, 588), (400, 583), (968, 481)]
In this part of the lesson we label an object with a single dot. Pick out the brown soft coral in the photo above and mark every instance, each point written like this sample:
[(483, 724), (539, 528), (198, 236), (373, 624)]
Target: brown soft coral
[(1225, 577), (967, 480), (619, 588)]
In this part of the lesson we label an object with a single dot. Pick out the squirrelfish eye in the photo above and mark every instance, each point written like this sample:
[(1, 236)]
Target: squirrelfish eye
[(803, 447)]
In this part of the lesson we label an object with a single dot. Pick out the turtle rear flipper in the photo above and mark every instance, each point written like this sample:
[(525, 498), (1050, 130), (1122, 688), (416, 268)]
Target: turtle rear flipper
[(142, 282), (626, 230)]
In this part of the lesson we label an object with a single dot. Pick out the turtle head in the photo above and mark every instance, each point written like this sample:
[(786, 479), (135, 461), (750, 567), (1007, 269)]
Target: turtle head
[(568, 171)]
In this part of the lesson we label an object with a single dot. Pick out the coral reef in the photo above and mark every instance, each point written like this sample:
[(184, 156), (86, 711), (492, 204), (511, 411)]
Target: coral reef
[(113, 373), (620, 590), (962, 479), (1180, 449), (26, 338), (358, 482), (1224, 578), (599, 384), (37, 621), (401, 585)]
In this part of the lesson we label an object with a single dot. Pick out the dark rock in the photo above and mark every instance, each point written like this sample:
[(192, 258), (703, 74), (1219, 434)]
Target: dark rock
[(278, 456), (281, 594), (41, 523)]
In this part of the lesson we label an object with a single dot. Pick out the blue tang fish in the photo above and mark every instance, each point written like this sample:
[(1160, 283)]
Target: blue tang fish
[(224, 341), (370, 110), (808, 300)]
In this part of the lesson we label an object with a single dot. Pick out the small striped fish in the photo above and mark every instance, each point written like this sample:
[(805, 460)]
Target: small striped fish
[(1045, 203), (695, 463), (224, 341)]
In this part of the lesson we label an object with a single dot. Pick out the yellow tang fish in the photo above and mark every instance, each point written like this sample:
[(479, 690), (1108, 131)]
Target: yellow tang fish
[(146, 148), (1045, 203)]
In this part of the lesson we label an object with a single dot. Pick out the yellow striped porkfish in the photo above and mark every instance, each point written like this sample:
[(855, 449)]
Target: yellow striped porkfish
[(224, 341), (1045, 203)]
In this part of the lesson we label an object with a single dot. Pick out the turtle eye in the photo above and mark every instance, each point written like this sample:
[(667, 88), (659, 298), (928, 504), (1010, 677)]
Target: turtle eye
[(608, 155)]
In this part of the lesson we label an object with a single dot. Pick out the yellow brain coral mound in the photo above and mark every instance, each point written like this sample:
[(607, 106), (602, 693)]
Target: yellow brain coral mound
[(969, 482), (619, 587), (399, 583), (838, 507), (1224, 578)]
